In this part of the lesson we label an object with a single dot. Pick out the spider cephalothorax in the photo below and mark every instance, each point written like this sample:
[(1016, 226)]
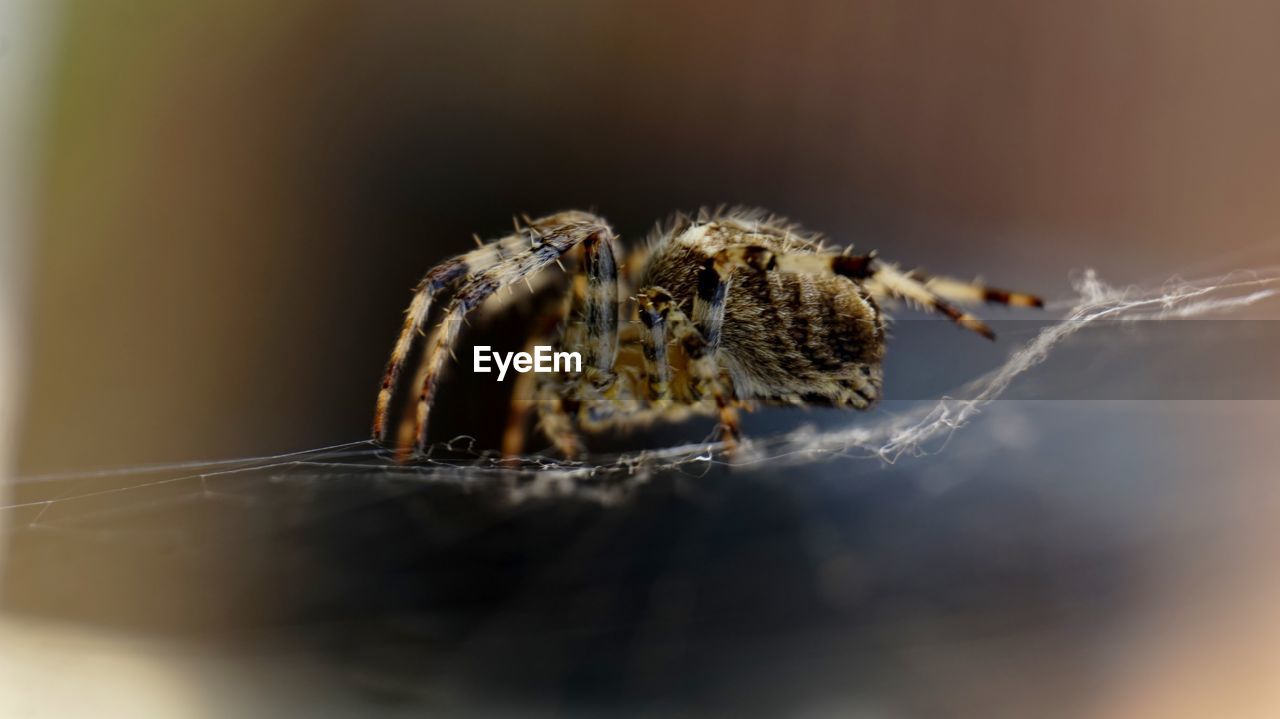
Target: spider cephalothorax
[(732, 309)]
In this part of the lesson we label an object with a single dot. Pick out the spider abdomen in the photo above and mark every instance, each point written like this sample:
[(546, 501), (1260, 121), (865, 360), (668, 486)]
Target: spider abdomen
[(786, 337)]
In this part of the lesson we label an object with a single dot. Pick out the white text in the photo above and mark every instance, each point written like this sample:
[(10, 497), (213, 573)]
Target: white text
[(543, 359)]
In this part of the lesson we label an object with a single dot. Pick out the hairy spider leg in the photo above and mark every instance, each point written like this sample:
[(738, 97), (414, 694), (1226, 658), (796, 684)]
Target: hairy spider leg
[(566, 410), (544, 241), (593, 318), (588, 320), (659, 311), (548, 327), (888, 281), (550, 238), (881, 279), (443, 279), (973, 292), (653, 345), (555, 417)]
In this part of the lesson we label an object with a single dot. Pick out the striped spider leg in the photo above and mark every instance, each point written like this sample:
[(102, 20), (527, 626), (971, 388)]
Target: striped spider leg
[(473, 277)]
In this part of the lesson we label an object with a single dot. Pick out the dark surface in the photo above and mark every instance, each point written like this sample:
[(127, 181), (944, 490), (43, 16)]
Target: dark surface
[(1007, 575), (737, 591)]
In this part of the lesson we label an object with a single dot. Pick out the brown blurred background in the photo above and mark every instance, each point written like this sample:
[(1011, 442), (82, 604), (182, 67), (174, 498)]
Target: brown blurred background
[(231, 200)]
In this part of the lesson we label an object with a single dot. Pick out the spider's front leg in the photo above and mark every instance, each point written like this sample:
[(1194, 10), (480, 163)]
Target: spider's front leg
[(476, 276), (589, 323)]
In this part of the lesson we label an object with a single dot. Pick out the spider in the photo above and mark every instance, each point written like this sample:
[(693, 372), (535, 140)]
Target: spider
[(734, 309)]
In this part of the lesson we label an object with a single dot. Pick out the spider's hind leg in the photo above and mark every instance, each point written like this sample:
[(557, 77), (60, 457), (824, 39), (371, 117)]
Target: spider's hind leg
[(973, 292), (931, 294)]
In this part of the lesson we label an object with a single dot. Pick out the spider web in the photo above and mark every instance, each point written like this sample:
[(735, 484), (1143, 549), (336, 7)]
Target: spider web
[(609, 478)]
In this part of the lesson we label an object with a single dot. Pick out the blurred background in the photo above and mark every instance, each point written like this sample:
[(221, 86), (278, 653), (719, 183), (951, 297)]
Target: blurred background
[(215, 211)]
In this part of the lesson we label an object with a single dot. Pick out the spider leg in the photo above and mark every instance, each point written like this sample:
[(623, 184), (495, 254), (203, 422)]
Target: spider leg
[(590, 322), (626, 403), (443, 279), (545, 290), (561, 416), (555, 417), (569, 408), (653, 344), (525, 392), (658, 311), (564, 408), (887, 280), (544, 241), (973, 292), (879, 278), (593, 316), (533, 289)]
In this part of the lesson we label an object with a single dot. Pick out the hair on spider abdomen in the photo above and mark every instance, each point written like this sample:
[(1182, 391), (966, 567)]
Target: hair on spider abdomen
[(732, 309), (786, 337)]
